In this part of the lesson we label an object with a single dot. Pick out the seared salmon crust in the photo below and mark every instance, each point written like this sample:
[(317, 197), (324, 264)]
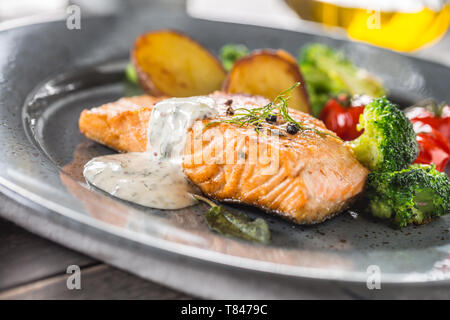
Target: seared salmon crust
[(316, 175)]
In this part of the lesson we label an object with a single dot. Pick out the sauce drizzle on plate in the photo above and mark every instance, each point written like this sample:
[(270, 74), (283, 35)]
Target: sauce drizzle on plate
[(155, 178)]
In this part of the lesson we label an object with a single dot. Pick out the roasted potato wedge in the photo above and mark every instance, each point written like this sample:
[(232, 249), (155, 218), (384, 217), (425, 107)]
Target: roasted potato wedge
[(172, 64), (267, 73)]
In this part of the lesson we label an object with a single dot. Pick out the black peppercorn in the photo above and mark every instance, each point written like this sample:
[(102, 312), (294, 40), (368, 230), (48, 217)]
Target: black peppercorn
[(230, 111), (271, 118), (292, 128)]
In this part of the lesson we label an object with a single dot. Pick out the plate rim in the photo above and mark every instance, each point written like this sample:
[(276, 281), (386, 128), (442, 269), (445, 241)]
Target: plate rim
[(238, 262)]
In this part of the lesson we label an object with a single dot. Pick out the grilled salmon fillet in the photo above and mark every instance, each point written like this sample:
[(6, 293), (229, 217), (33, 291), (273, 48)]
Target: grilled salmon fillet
[(316, 174)]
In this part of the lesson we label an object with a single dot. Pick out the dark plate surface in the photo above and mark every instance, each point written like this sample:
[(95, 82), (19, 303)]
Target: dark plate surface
[(48, 74)]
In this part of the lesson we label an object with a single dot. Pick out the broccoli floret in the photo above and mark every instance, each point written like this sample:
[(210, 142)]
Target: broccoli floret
[(232, 52), (413, 195), (388, 142), (328, 72), (319, 87)]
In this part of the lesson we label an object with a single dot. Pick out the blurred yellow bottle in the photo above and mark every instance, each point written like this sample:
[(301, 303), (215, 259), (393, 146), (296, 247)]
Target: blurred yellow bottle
[(403, 25)]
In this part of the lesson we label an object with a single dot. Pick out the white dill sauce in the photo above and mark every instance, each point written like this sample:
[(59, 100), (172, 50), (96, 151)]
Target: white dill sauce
[(154, 178)]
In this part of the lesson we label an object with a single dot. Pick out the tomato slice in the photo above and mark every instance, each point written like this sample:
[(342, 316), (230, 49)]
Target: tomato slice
[(440, 124), (433, 146), (437, 117), (342, 118)]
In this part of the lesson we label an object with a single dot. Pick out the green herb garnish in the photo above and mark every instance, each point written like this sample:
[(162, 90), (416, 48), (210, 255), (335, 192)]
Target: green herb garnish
[(257, 116), (235, 224), (131, 85), (131, 74)]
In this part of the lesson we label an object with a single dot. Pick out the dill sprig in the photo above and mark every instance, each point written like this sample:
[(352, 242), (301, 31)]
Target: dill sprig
[(257, 116)]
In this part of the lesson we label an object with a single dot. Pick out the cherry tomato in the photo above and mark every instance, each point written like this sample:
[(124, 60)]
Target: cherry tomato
[(341, 117), (428, 112), (434, 147), (432, 125)]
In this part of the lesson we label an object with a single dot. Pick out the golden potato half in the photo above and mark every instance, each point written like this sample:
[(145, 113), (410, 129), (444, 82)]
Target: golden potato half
[(172, 64), (267, 73)]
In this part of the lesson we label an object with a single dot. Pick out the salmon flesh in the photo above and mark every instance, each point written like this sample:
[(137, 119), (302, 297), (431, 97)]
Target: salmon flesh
[(305, 177)]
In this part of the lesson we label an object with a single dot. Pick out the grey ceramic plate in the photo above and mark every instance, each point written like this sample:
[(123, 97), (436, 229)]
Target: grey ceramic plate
[(48, 74)]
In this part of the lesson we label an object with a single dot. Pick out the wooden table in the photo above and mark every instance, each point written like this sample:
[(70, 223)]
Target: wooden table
[(34, 268)]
